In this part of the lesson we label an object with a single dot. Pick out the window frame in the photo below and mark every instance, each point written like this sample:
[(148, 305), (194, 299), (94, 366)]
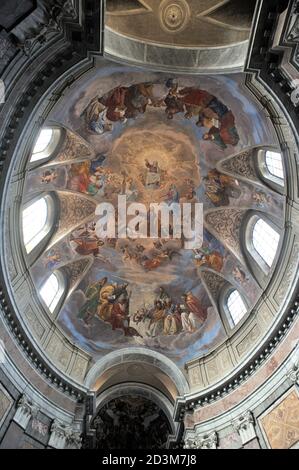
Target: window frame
[(258, 267), (48, 229), (51, 150), (226, 316), (38, 235), (227, 309), (250, 245), (280, 179), (271, 180), (254, 242), (61, 292)]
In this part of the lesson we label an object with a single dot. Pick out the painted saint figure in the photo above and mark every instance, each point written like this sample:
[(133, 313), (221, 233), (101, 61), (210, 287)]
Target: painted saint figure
[(89, 309), (123, 103), (211, 259), (152, 175), (198, 314), (219, 188), (156, 324)]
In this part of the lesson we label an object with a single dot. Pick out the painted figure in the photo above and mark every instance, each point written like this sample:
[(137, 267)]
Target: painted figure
[(172, 321), (122, 103), (219, 187), (153, 174), (89, 309), (156, 324), (261, 198), (114, 102), (106, 297), (198, 314), (95, 116), (239, 275), (210, 259), (87, 177), (49, 176), (53, 258), (172, 195), (86, 242), (223, 134)]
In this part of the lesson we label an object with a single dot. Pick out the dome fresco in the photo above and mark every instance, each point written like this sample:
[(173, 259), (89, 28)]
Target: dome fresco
[(153, 138)]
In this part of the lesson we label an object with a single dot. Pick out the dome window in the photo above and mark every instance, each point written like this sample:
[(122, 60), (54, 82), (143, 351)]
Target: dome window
[(271, 168), (265, 241), (274, 164), (45, 144), (35, 227), (236, 307), (52, 291), (38, 221)]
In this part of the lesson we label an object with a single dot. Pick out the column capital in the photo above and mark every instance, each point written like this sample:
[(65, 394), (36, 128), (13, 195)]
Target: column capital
[(58, 435), (202, 441), (74, 440), (63, 436), (244, 425), (25, 411)]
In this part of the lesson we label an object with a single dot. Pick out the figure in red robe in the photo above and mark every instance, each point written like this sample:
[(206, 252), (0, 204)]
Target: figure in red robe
[(194, 306), (118, 315), (224, 135), (120, 320), (195, 97), (114, 101)]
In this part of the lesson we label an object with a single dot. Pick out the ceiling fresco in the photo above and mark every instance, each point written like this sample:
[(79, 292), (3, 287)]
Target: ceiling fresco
[(154, 138)]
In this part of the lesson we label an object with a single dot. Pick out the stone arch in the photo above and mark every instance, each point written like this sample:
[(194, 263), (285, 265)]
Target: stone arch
[(138, 355), (139, 390)]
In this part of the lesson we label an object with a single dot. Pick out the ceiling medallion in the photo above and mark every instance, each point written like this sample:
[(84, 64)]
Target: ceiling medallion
[(174, 15)]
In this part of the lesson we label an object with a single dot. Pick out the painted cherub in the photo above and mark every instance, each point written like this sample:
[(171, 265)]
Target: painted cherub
[(239, 275), (49, 176)]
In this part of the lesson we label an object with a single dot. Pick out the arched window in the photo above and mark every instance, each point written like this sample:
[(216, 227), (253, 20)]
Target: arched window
[(271, 168), (265, 241), (274, 164), (52, 291), (236, 307), (45, 144), (35, 223)]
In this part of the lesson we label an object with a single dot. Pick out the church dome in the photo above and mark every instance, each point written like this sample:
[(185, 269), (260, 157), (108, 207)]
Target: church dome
[(149, 224)]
